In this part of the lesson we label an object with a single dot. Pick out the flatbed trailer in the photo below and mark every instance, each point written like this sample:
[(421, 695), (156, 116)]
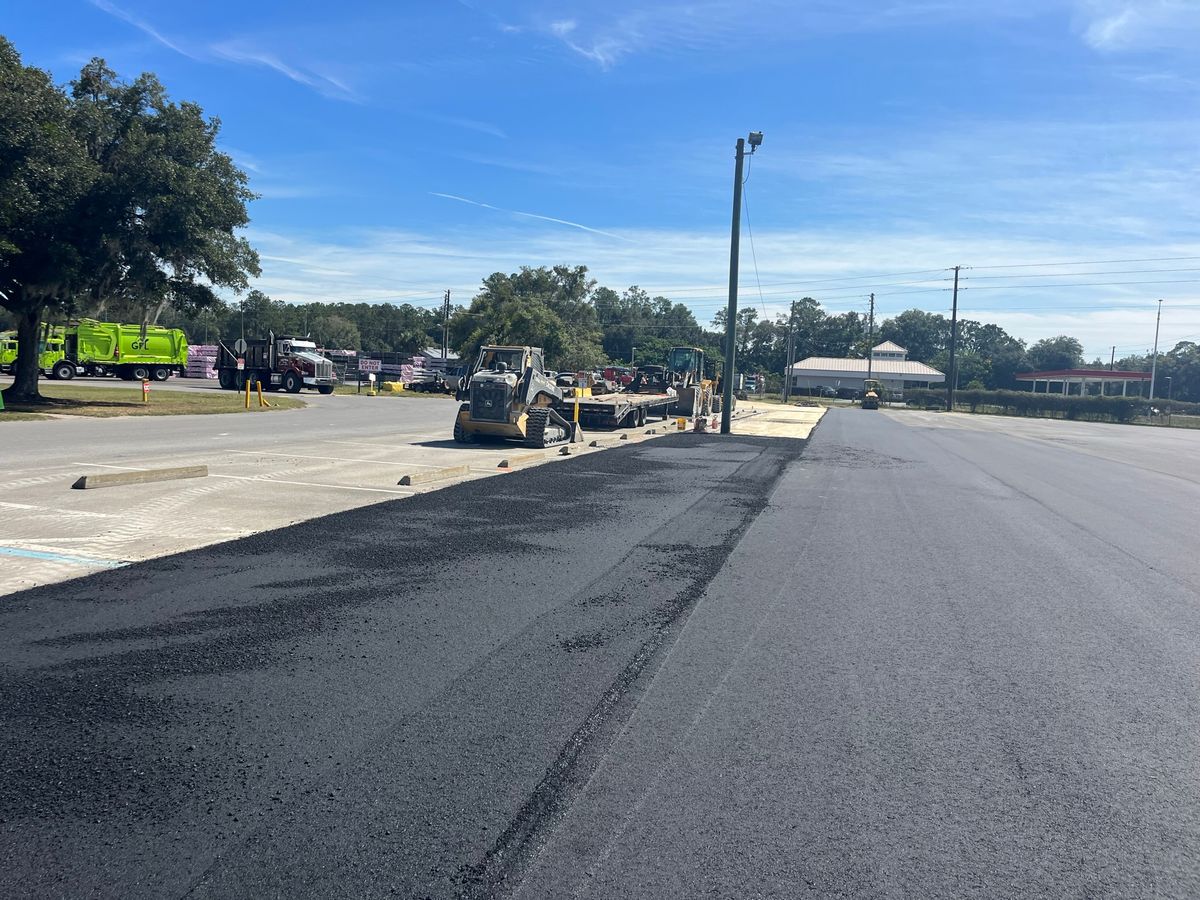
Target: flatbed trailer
[(616, 410)]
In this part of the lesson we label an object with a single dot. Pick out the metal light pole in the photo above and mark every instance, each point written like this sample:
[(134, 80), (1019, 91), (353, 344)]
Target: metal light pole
[(735, 236), (632, 354)]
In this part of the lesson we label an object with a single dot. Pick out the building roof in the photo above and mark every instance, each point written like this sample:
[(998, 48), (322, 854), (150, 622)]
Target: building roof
[(896, 368), (888, 347), (436, 353), (1095, 374)]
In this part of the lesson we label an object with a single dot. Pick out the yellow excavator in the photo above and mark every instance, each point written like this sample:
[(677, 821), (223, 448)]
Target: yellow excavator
[(508, 395)]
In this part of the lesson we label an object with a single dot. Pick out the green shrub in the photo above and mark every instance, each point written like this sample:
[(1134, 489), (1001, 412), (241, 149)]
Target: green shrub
[(1027, 403)]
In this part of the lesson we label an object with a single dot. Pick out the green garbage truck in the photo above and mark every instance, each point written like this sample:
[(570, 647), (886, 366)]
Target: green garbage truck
[(51, 343), (132, 352)]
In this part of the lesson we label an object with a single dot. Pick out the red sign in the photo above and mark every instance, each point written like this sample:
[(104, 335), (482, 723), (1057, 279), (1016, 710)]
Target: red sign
[(241, 364), (145, 387)]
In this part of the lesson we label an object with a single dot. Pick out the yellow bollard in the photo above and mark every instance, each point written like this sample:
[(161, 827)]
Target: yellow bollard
[(247, 393), (681, 423), (263, 404)]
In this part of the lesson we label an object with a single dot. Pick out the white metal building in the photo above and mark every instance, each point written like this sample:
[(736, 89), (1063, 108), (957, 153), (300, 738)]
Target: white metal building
[(889, 363)]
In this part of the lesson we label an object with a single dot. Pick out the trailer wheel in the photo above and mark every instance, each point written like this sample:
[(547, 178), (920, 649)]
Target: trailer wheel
[(641, 419), (160, 373), (325, 388), (225, 379), (292, 383), (141, 373)]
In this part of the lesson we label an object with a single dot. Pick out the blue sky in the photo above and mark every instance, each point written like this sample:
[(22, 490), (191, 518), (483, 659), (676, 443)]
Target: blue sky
[(404, 148)]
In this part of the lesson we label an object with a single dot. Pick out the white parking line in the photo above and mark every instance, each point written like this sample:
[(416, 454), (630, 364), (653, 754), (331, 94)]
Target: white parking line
[(262, 479), (373, 462), (362, 444), (58, 511)]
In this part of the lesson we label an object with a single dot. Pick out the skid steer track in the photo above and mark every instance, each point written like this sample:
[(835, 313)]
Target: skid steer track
[(540, 432)]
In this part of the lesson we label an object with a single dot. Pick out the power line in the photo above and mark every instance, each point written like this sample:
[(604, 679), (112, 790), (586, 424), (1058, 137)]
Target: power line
[(1088, 262), (1021, 287), (762, 307), (1058, 307), (684, 290), (1081, 274)]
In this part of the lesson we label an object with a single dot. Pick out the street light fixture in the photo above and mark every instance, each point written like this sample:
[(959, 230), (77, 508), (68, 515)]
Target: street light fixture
[(756, 139)]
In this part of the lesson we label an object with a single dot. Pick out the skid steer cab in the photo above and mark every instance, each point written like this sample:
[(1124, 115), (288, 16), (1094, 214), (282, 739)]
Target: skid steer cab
[(507, 395)]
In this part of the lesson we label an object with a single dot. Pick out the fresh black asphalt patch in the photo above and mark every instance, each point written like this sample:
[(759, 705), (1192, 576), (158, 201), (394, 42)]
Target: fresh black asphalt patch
[(394, 701)]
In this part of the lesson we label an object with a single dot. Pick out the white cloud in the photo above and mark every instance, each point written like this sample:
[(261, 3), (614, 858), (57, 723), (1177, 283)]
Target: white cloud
[(142, 26), (469, 124), (249, 54), (241, 52), (609, 33), (528, 215), (1129, 25)]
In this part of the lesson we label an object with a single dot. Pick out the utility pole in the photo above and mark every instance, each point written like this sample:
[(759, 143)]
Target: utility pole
[(445, 323), (787, 372), (953, 345), (871, 340), (1154, 361), (1112, 360), (735, 237)]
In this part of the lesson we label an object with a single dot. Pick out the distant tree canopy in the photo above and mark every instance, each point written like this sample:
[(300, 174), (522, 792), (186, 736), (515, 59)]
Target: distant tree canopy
[(1050, 354), (110, 193)]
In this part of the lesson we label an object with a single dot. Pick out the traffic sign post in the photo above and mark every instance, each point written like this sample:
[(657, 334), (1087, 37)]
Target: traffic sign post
[(145, 392), (369, 367)]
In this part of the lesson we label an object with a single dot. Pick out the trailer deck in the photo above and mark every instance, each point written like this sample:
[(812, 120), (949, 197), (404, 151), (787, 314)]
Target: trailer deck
[(616, 409)]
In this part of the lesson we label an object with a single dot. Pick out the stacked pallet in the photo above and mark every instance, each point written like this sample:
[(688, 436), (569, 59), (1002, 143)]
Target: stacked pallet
[(201, 359)]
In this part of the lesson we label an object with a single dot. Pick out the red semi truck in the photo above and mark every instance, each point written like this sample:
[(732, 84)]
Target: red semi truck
[(283, 363)]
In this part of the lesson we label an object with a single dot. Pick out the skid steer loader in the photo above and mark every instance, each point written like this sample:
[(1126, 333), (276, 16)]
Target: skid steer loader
[(696, 396), (508, 395)]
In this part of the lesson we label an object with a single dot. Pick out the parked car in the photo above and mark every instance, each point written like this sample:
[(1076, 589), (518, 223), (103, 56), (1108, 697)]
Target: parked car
[(453, 377)]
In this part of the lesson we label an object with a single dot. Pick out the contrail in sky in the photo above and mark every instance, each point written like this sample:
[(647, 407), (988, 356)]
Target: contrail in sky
[(528, 215)]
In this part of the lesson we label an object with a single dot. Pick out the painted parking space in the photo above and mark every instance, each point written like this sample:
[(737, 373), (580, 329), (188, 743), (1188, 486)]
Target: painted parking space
[(52, 533)]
